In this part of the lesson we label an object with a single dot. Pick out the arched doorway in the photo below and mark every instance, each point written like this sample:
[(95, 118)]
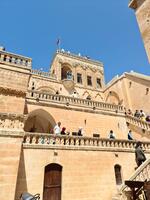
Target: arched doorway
[(39, 121), (52, 182)]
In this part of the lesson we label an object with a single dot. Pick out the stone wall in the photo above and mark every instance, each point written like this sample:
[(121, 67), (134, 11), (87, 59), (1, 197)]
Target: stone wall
[(142, 11), (86, 174), (10, 148)]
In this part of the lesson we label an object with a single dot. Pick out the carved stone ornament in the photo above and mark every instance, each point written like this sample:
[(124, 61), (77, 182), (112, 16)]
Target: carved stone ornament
[(12, 92), (11, 121)]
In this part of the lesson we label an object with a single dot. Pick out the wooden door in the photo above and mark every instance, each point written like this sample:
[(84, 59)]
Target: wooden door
[(52, 182)]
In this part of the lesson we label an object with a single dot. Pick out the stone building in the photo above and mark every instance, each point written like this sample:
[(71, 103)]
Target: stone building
[(142, 12), (65, 167)]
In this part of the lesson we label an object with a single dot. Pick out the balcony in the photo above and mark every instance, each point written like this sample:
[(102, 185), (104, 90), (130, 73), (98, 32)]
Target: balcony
[(67, 79), (40, 140), (15, 60), (73, 102)]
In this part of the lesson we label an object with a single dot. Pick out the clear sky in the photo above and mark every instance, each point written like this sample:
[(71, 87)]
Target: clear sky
[(104, 30)]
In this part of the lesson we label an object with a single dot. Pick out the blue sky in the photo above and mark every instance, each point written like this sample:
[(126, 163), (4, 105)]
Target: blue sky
[(104, 30)]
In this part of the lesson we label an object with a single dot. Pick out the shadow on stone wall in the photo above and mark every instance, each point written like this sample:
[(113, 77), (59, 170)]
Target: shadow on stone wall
[(21, 185)]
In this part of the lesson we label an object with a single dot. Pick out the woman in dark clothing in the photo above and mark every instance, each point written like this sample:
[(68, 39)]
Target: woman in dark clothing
[(63, 131), (139, 154)]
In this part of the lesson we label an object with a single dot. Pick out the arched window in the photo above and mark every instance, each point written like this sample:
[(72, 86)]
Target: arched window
[(118, 176), (52, 182), (66, 73)]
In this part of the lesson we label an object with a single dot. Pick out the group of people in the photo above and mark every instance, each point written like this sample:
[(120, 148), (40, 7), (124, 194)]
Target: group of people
[(62, 131), (139, 153), (111, 135), (140, 114)]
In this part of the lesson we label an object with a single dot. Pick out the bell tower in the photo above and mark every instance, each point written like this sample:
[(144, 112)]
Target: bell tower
[(142, 12)]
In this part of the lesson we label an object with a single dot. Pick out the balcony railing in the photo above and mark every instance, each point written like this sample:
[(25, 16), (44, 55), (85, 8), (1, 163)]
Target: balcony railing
[(45, 74), (141, 174), (95, 105), (79, 141), (137, 122), (17, 60)]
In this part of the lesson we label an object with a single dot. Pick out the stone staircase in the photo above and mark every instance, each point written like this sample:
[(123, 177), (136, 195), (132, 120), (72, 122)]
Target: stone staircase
[(145, 126), (141, 174)]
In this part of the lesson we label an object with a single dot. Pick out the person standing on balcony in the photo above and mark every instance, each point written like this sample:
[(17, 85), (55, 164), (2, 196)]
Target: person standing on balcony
[(57, 128), (139, 154), (111, 135), (130, 137)]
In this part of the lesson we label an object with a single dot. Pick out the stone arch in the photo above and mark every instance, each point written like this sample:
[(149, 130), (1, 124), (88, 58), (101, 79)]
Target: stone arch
[(113, 98), (46, 89), (66, 71), (39, 121)]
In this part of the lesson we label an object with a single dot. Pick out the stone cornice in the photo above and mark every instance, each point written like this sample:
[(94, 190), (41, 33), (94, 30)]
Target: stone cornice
[(12, 92), (84, 66), (77, 58), (57, 147), (12, 116), (14, 134), (83, 59)]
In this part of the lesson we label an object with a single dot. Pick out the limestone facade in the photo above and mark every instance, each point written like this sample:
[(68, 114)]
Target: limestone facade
[(142, 11), (73, 92)]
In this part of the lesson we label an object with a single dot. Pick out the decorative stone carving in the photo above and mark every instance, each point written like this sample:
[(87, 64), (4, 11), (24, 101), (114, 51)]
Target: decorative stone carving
[(11, 121), (12, 92)]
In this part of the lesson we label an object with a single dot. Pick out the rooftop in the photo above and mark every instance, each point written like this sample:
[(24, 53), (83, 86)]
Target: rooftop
[(86, 59)]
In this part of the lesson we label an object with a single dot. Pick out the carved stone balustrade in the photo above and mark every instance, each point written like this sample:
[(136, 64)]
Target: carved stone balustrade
[(11, 122), (44, 74), (94, 105), (141, 174), (36, 139), (139, 123), (13, 59)]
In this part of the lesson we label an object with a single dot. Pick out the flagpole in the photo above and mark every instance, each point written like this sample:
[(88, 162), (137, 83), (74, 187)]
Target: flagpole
[(58, 44)]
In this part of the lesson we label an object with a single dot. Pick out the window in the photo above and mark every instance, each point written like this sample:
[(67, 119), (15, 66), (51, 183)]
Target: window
[(79, 78), (89, 80), (118, 177), (98, 81)]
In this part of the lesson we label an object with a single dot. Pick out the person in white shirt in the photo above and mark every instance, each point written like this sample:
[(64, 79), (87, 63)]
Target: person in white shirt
[(57, 128)]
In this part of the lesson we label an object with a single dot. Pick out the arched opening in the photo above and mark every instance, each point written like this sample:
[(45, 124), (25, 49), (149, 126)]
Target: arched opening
[(118, 175), (39, 121), (52, 182), (66, 73), (113, 98)]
